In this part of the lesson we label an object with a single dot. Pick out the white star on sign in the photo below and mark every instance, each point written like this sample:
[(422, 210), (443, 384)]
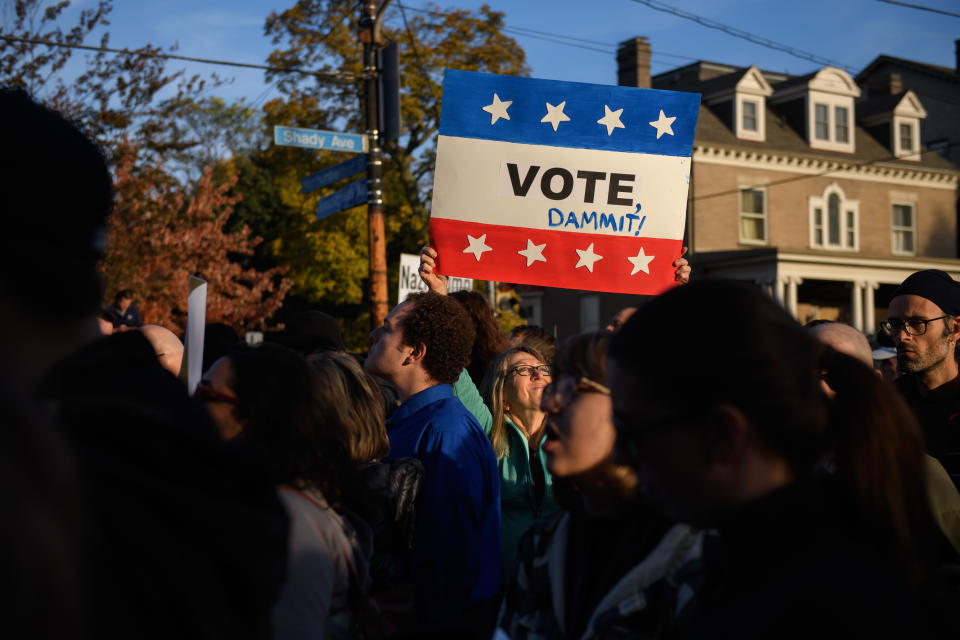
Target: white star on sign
[(533, 252), (641, 262), (477, 246), (498, 109), (611, 119), (555, 114), (662, 124), (587, 258)]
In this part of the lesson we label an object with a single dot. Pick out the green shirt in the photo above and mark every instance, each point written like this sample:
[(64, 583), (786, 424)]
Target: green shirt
[(518, 507)]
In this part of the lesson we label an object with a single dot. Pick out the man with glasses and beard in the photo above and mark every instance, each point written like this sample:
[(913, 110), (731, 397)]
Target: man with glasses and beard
[(923, 326)]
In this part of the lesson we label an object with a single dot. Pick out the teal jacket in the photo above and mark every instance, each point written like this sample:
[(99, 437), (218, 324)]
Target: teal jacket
[(518, 507)]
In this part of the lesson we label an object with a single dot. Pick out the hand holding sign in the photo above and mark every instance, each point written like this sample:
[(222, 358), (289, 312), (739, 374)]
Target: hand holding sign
[(682, 274), (562, 184), (434, 281)]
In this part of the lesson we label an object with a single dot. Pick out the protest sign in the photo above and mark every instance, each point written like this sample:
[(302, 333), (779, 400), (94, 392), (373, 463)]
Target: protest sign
[(410, 282), (562, 184), (191, 368)]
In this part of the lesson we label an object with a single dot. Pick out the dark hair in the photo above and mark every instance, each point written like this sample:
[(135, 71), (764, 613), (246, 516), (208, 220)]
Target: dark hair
[(769, 367), (352, 406), (57, 195), (278, 398), (444, 327), (538, 338), (123, 294), (219, 339), (584, 355), (489, 340)]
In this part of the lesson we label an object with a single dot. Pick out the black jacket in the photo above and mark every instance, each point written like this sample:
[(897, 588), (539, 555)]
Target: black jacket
[(938, 413), (797, 564), (185, 535)]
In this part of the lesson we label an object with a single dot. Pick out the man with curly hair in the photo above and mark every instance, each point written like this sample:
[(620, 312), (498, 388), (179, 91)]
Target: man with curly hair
[(421, 348)]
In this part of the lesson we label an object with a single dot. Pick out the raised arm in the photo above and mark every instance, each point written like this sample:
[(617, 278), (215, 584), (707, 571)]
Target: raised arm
[(428, 262)]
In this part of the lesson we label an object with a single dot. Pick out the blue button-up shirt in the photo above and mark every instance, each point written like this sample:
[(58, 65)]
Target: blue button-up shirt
[(456, 549)]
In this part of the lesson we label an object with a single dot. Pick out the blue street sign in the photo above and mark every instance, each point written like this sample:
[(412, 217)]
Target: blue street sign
[(331, 174), (350, 196), (317, 139)]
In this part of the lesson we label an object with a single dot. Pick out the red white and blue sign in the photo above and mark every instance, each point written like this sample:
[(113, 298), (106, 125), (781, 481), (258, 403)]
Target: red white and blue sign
[(561, 184)]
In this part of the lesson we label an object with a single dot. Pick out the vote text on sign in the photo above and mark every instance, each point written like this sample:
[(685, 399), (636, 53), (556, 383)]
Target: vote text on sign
[(561, 184)]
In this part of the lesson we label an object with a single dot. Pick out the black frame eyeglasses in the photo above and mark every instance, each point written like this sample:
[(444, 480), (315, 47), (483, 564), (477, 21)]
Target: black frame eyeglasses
[(912, 326), (528, 369)]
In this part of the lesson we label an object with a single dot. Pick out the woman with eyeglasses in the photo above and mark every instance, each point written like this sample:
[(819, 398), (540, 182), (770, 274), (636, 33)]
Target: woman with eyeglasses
[(512, 389), (586, 571), (819, 504)]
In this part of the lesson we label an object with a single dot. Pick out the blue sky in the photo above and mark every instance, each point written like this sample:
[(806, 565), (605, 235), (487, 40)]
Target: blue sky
[(851, 32)]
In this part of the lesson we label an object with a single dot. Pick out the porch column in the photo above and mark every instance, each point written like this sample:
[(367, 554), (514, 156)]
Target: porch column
[(792, 283), (856, 305), (869, 308), (779, 286)]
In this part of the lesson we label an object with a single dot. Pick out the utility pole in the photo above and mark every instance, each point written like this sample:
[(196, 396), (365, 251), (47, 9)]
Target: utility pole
[(370, 20)]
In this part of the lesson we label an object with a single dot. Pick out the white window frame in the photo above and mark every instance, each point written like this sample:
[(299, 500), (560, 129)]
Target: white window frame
[(759, 102), (831, 102), (901, 152), (901, 202), (822, 202), (763, 216)]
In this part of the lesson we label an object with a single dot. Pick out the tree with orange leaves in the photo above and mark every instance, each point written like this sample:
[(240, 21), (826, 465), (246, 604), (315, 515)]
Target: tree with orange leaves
[(161, 232)]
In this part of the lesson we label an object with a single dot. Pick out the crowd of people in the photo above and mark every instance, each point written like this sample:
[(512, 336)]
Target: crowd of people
[(455, 481)]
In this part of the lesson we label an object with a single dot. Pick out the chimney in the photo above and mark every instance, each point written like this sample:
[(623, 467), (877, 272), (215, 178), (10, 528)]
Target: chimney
[(956, 52), (895, 84), (633, 63)]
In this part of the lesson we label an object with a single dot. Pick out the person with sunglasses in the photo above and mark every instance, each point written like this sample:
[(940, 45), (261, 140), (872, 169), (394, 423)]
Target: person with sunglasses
[(589, 570), (924, 327), (512, 388)]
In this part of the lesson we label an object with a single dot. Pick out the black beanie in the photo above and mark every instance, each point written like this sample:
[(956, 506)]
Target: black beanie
[(934, 285)]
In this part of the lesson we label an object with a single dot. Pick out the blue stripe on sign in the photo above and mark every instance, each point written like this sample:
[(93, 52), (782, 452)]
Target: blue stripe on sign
[(331, 174), (465, 93), (351, 195)]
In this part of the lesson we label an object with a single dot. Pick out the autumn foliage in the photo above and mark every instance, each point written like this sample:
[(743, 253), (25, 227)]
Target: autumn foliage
[(161, 232)]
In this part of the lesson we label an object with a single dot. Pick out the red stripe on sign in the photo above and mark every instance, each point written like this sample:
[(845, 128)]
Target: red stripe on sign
[(554, 258)]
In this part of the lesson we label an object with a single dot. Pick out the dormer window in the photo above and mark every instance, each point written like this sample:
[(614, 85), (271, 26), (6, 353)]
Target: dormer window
[(751, 93), (824, 105), (896, 118), (741, 98), (907, 143)]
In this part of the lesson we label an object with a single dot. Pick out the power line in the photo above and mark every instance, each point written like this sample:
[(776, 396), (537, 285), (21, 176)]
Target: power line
[(330, 75), (738, 33), (921, 8), (556, 38)]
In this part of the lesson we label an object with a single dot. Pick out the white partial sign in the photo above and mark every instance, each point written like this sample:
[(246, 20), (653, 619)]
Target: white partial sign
[(410, 282), (191, 370)]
